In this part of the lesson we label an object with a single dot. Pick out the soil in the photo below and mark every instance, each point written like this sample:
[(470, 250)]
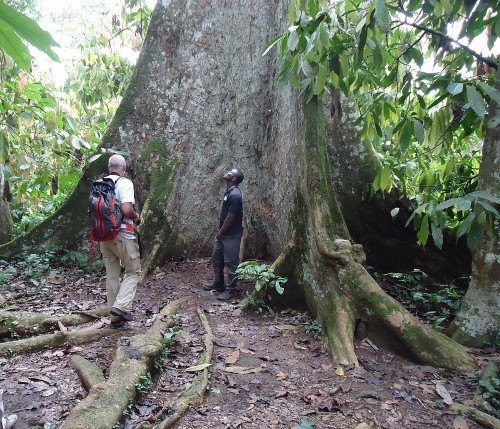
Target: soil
[(268, 370)]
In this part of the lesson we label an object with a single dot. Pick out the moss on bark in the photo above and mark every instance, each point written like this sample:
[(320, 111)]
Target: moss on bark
[(338, 290)]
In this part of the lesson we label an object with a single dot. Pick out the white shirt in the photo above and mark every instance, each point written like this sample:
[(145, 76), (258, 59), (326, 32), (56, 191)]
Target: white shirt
[(124, 191)]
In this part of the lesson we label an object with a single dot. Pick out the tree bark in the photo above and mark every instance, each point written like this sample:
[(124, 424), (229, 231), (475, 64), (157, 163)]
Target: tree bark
[(106, 401), (24, 323), (203, 99), (6, 227), (477, 323)]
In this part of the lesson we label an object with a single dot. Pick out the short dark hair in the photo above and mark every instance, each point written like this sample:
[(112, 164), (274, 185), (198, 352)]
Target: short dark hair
[(239, 176)]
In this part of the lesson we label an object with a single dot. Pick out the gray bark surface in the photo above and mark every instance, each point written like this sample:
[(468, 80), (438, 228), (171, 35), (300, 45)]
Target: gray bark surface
[(6, 229), (204, 90)]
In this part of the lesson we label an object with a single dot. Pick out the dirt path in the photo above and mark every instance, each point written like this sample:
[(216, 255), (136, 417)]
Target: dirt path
[(267, 371)]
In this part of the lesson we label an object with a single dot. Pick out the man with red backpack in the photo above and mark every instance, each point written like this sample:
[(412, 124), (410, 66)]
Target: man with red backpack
[(123, 248)]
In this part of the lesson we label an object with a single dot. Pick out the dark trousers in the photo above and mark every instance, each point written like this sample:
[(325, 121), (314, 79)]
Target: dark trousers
[(226, 254)]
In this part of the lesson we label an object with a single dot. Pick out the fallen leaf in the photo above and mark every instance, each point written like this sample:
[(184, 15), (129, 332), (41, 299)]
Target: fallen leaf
[(299, 347), (197, 368), (49, 392), (287, 328), (233, 357), (281, 394), (340, 371), (2, 299), (460, 423), (55, 281), (247, 351), (441, 390), (242, 370), (281, 376)]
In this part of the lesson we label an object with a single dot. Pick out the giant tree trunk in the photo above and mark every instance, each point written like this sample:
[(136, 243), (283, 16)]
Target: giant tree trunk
[(6, 230), (478, 320), (202, 100)]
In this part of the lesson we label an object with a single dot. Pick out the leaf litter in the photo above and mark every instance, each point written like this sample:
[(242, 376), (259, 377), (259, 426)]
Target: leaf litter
[(266, 372)]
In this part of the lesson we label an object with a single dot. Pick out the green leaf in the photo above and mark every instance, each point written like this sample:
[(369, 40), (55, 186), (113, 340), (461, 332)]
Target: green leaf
[(447, 169), (455, 88), (485, 195), (382, 17), (419, 130), (293, 41), (406, 134), (423, 232), (324, 35), (437, 235), (323, 72), (448, 203), (28, 30), (386, 178), (474, 235), (492, 92), (313, 7), (394, 212), (273, 42), (476, 101), (389, 79), (488, 207), (14, 46), (465, 225)]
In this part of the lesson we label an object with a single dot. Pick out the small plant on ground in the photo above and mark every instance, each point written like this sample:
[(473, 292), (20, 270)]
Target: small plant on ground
[(311, 326), (265, 280), (433, 303), (145, 383), (489, 393)]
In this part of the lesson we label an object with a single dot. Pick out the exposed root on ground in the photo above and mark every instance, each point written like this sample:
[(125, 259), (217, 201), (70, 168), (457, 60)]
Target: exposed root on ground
[(59, 339), (88, 373), (472, 413), (195, 393), (135, 358), (25, 323)]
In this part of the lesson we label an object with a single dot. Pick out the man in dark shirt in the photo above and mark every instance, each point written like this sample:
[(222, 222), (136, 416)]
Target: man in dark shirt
[(227, 241)]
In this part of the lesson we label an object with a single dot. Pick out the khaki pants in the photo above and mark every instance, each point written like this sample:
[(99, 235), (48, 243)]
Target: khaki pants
[(117, 252)]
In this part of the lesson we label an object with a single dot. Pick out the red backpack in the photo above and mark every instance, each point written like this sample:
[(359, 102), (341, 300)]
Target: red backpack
[(105, 212)]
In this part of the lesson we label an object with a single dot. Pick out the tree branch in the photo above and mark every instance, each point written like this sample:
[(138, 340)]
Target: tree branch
[(491, 63)]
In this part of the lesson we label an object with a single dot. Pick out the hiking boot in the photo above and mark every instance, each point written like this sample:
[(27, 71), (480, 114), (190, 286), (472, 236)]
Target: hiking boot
[(227, 294), (213, 286), (122, 314), (117, 322)]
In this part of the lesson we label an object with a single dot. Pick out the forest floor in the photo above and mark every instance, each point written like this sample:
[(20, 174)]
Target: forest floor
[(268, 371)]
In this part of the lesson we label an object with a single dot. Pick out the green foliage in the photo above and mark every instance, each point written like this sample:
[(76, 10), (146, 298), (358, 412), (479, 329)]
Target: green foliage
[(15, 28), (432, 303), (47, 136), (422, 96), (145, 383), (167, 343), (265, 279), (311, 326), (489, 392)]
